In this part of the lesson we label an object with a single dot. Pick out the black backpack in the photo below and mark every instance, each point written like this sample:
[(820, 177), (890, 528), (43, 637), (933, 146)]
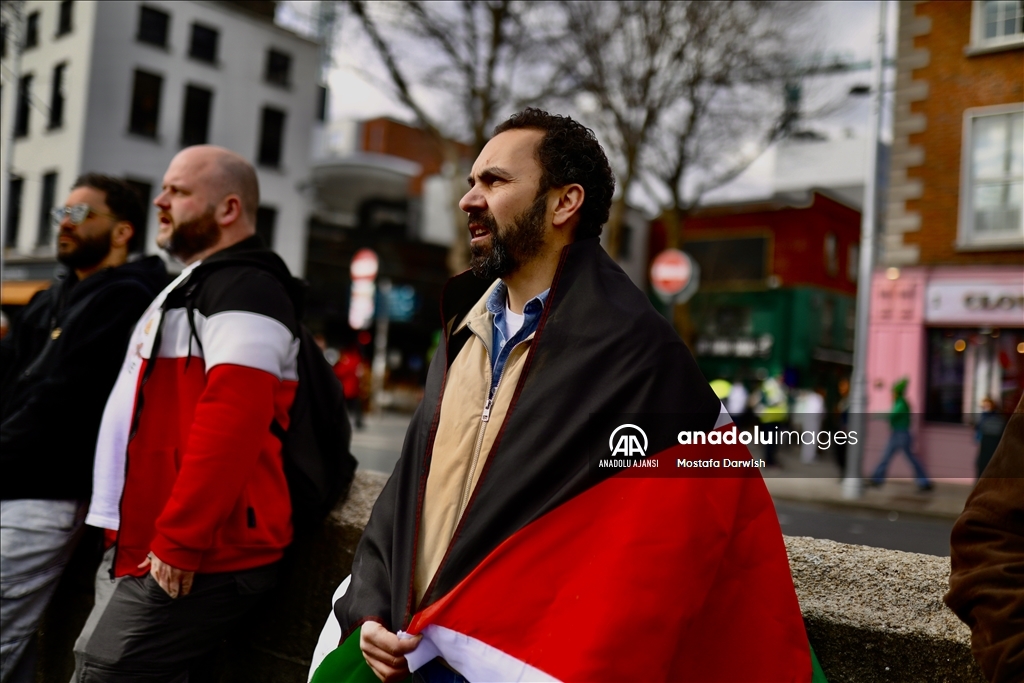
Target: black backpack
[(315, 448)]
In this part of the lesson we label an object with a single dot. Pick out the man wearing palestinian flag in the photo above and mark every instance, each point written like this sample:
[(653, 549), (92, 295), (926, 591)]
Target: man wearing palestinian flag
[(545, 520)]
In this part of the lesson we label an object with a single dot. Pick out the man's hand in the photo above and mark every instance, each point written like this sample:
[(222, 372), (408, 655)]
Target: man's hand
[(385, 652), (174, 581)]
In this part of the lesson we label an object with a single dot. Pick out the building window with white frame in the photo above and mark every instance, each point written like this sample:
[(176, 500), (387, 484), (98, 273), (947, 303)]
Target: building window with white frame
[(997, 24), (992, 178)]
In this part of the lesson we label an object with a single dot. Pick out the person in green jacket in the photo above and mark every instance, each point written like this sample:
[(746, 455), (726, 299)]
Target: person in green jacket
[(900, 439)]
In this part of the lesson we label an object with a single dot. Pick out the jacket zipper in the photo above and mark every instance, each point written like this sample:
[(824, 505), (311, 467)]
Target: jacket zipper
[(485, 417)]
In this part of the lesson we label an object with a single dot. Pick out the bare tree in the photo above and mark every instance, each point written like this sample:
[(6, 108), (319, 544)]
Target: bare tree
[(678, 90), (477, 58)]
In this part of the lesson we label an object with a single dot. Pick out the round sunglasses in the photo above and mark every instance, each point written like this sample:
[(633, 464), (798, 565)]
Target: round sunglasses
[(76, 214)]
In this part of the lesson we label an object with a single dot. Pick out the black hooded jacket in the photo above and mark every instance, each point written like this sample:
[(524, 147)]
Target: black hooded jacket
[(58, 367)]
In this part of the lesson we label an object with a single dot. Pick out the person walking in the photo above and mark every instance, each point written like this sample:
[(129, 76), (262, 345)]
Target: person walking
[(987, 433), (189, 480), (349, 370), (900, 439), (59, 364)]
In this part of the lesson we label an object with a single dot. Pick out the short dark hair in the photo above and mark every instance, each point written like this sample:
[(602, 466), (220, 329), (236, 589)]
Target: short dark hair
[(122, 199), (570, 153)]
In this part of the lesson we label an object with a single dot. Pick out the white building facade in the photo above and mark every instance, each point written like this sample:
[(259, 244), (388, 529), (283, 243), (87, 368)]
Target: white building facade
[(120, 87)]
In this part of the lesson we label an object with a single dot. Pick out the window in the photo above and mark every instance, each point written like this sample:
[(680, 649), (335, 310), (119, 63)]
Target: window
[(64, 18), (321, 102), (965, 365), (266, 221), (145, 104), (831, 255), (271, 137), (23, 111), (852, 262), (46, 202), (827, 323), (32, 30), (14, 187), (57, 96), (203, 45), (279, 66), (153, 26), (195, 121), (997, 24), (137, 244), (992, 178), (727, 261)]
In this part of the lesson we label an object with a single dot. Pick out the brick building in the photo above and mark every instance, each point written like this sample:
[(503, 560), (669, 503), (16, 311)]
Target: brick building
[(948, 296)]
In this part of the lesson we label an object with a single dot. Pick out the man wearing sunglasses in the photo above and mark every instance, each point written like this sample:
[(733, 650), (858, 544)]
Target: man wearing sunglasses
[(59, 364)]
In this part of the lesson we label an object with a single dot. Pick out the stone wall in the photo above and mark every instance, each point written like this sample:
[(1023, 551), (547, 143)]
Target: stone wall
[(871, 614)]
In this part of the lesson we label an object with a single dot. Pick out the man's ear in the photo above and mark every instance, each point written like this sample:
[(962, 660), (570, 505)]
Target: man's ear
[(567, 207), (230, 210), (121, 234)]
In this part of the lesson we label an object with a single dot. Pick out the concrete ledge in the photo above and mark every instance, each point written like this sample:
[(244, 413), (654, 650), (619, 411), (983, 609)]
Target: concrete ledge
[(871, 614), (877, 615)]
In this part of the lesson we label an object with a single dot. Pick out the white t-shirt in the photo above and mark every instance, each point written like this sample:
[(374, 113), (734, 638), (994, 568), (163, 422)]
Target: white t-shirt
[(513, 321)]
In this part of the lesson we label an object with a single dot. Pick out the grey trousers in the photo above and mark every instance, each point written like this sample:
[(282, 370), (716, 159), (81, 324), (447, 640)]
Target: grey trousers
[(37, 538), (138, 633)]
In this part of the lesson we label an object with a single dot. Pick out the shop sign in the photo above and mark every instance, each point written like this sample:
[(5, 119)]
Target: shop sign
[(981, 303), (736, 347)]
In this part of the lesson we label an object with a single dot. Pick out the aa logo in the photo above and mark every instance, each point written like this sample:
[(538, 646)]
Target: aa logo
[(626, 441)]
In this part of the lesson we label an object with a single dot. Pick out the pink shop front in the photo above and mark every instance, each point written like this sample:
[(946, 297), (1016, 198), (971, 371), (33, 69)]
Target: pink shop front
[(957, 334)]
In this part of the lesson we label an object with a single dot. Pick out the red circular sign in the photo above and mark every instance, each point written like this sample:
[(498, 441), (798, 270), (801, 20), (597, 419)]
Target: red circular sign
[(364, 265), (671, 271)]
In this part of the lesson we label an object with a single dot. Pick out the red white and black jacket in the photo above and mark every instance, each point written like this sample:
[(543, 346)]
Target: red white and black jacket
[(204, 487)]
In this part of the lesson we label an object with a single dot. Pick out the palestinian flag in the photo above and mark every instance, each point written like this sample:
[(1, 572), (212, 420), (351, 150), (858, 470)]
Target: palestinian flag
[(574, 561)]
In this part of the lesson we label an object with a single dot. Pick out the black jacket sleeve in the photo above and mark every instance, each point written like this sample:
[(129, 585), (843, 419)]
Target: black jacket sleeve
[(48, 436)]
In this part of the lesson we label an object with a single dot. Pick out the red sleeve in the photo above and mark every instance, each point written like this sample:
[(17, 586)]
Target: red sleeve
[(230, 425)]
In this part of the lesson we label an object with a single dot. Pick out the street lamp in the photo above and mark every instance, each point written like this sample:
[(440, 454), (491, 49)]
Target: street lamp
[(853, 486)]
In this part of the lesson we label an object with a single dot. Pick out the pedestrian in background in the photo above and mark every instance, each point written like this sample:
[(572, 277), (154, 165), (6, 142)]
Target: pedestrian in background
[(812, 413), (189, 478), (839, 420), (987, 432), (59, 364), (350, 369), (773, 411), (900, 439)]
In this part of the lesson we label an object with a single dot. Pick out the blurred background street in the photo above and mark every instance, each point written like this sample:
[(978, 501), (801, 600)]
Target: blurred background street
[(824, 199)]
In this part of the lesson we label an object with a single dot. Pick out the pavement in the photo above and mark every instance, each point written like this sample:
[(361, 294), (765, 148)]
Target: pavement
[(378, 445), (819, 483)]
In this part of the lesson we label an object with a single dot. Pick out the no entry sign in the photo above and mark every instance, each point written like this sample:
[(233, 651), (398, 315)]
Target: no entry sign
[(674, 275), (364, 265)]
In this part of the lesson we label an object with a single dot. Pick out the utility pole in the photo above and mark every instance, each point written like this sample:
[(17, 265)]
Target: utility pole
[(853, 485), (13, 18)]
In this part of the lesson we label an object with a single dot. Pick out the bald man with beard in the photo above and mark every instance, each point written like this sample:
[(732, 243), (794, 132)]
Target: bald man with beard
[(188, 481)]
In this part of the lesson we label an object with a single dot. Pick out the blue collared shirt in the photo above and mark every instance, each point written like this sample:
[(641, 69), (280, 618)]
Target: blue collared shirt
[(502, 346)]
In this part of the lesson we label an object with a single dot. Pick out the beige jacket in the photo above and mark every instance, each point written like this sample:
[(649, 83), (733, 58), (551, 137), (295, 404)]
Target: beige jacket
[(466, 432)]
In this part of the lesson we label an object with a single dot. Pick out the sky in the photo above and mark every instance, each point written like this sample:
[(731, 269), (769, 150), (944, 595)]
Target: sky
[(848, 29), (843, 29)]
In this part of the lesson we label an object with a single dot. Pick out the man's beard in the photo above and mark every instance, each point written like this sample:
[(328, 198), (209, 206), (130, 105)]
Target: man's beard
[(88, 251), (510, 247), (193, 237)]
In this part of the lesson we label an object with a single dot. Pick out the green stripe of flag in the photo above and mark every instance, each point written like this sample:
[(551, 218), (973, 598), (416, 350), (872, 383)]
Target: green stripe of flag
[(817, 675), (346, 665)]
